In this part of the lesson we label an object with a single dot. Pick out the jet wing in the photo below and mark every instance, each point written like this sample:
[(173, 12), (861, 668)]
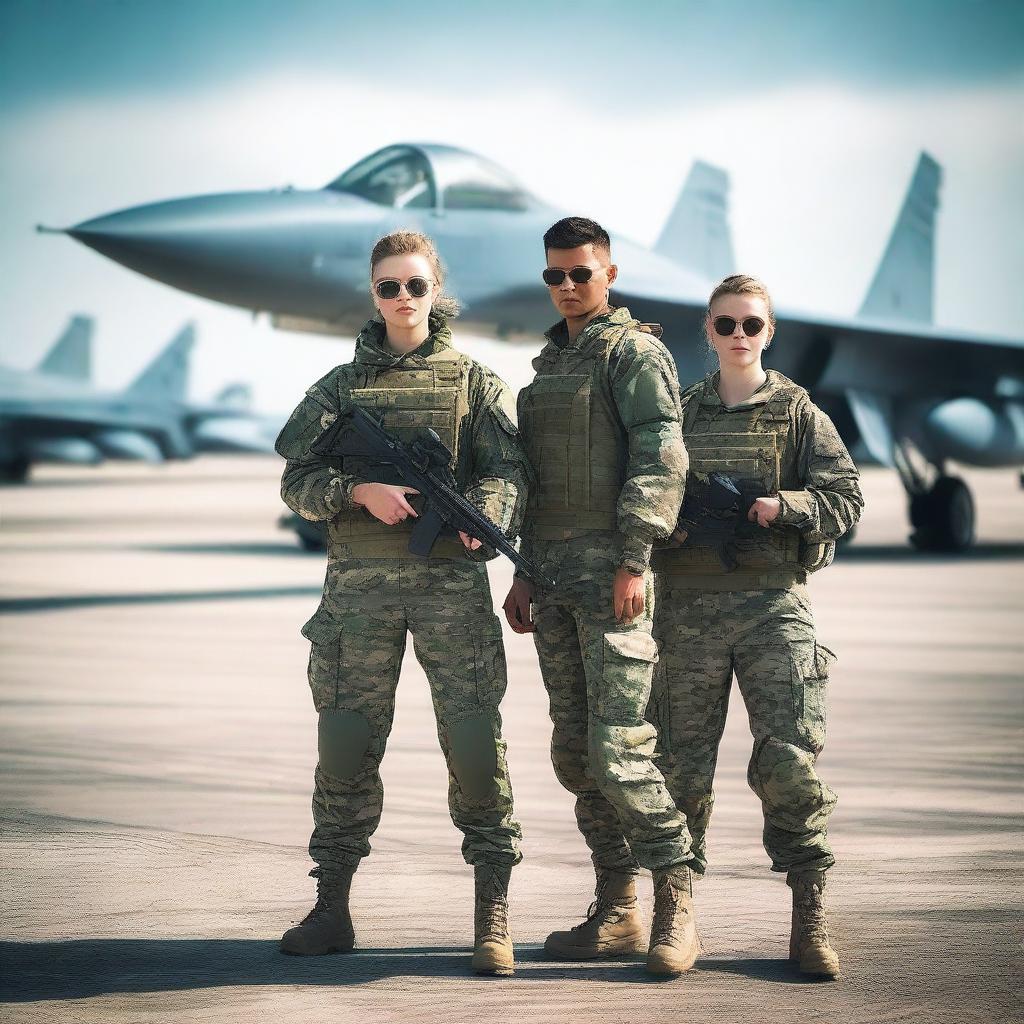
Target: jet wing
[(833, 355)]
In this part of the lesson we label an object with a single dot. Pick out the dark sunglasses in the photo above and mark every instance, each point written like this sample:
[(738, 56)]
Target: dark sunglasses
[(554, 276), (725, 325), (417, 287)]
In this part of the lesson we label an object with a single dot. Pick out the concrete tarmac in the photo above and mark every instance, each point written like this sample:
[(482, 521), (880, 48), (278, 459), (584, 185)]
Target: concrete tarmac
[(157, 743)]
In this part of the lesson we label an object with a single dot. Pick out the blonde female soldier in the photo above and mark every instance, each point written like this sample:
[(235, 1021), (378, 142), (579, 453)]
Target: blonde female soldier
[(754, 618), (406, 370)]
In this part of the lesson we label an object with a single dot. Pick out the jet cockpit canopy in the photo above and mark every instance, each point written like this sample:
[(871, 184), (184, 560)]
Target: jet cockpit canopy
[(433, 177)]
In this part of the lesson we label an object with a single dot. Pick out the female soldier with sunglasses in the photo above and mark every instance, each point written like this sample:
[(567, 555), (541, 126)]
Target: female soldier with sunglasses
[(744, 608), (406, 371)]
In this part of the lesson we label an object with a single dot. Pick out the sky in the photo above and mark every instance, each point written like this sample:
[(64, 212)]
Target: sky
[(817, 111)]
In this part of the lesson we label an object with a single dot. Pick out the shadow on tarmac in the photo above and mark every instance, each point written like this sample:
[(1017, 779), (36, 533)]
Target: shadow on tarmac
[(82, 968), (905, 553), (59, 602)]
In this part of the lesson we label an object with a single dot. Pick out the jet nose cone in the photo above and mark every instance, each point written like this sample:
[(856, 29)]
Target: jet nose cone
[(249, 249), (160, 239)]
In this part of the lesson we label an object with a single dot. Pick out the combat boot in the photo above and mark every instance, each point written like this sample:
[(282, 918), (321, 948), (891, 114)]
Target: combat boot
[(674, 943), (327, 928), (808, 937), (492, 945), (612, 927)]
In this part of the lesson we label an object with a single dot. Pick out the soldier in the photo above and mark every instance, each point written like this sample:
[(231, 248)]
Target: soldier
[(601, 426), (406, 368), (755, 620)]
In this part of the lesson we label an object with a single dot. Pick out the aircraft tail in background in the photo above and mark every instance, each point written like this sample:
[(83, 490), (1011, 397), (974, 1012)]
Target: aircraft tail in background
[(696, 234), (165, 379), (903, 285), (71, 354)]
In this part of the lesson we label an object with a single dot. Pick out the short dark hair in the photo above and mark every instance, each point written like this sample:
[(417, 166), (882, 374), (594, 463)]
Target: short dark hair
[(572, 232)]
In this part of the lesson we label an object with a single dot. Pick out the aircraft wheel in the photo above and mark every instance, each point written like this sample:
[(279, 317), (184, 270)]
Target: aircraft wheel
[(14, 471), (943, 518)]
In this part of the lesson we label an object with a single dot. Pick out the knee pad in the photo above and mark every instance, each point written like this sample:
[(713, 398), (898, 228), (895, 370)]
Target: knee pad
[(571, 769), (474, 756), (343, 738), (623, 754), (782, 774)]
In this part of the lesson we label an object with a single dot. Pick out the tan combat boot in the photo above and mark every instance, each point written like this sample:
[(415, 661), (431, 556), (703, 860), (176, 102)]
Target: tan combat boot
[(327, 928), (674, 944), (612, 928), (808, 937), (492, 945)]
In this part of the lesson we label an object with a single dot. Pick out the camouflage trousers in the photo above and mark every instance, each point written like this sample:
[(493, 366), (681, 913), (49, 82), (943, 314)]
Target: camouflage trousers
[(598, 676), (766, 638), (358, 640)]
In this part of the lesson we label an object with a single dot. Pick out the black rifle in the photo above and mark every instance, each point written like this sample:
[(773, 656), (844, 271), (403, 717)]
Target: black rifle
[(714, 508), (424, 464)]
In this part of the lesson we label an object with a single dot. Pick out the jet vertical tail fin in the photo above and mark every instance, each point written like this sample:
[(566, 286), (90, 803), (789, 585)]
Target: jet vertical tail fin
[(903, 284), (165, 379), (696, 233), (71, 354)]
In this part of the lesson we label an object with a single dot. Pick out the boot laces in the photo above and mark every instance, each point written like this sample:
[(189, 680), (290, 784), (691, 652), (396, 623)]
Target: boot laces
[(668, 923), (810, 909), (327, 892), (492, 912), (600, 908)]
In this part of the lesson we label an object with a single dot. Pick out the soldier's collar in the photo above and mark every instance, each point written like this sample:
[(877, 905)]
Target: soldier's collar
[(759, 397), (372, 345), (558, 335)]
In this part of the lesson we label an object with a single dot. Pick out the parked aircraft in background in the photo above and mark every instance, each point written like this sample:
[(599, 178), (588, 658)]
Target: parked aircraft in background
[(54, 414), (913, 395)]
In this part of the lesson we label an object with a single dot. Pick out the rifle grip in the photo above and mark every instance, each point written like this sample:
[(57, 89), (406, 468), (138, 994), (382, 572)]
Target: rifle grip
[(425, 531)]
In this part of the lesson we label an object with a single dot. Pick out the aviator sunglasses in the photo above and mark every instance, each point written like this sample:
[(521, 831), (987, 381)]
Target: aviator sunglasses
[(580, 275), (725, 325), (417, 287)]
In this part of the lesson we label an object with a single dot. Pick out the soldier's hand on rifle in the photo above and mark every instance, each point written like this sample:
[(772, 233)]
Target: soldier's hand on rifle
[(627, 595), (471, 542), (765, 511), (385, 502), (517, 606)]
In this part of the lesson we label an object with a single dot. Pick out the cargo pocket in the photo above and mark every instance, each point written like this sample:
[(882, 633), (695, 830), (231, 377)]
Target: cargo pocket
[(324, 661), (489, 665), (810, 693), (626, 677)]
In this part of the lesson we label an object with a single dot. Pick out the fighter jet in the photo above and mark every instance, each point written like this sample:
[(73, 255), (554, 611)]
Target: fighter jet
[(54, 414), (61, 418), (912, 395)]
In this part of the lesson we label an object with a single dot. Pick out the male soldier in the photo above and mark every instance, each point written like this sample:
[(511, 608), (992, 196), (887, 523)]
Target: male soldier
[(601, 426)]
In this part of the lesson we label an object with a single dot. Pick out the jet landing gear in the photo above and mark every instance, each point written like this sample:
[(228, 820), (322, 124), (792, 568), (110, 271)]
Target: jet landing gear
[(941, 512), (14, 471)]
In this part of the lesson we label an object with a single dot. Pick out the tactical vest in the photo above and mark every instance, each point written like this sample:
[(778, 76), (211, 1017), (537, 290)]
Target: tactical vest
[(575, 440), (749, 448), (408, 398)]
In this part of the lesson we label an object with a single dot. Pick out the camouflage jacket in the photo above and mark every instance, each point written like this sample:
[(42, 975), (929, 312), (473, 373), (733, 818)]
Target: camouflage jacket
[(492, 467), (643, 386)]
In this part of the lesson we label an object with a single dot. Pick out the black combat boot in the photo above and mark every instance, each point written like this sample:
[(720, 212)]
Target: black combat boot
[(612, 928), (327, 928), (808, 937), (492, 945), (674, 944)]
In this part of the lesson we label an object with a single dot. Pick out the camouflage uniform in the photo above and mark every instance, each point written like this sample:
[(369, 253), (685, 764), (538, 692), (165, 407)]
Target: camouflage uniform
[(601, 426), (755, 620), (375, 591)]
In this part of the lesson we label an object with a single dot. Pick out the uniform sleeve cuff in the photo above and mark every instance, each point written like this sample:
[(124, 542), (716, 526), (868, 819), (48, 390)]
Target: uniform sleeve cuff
[(795, 508), (636, 556)]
